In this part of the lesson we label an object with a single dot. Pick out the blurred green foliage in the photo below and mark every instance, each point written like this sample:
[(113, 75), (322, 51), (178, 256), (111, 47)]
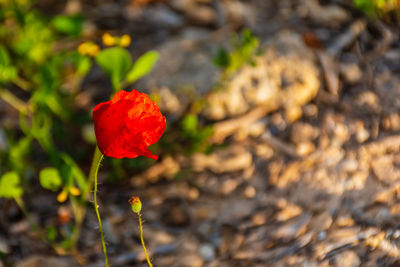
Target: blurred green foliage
[(244, 47), (142, 66), (10, 185), (50, 178), (68, 25), (378, 8), (7, 71), (37, 72), (116, 62), (195, 135), (41, 71)]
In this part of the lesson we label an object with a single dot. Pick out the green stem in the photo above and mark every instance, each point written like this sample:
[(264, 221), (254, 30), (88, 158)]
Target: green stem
[(14, 101), (21, 83), (96, 158), (79, 209), (96, 207), (142, 240), (21, 205)]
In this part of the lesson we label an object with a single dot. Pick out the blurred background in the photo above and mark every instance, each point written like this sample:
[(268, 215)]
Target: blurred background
[(282, 141)]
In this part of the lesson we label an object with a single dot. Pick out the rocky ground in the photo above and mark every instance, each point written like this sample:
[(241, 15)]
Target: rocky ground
[(310, 171)]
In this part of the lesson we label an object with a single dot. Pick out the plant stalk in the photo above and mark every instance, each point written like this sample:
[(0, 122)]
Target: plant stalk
[(96, 207), (142, 240)]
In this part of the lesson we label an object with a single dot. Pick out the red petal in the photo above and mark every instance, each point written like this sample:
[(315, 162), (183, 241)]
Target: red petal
[(127, 125)]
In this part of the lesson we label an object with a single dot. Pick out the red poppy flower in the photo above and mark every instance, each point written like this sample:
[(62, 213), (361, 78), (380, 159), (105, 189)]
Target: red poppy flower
[(127, 125)]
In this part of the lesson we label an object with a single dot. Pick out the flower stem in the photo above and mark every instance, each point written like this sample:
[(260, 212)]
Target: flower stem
[(14, 101), (96, 207), (142, 240), (77, 206), (21, 205), (96, 158)]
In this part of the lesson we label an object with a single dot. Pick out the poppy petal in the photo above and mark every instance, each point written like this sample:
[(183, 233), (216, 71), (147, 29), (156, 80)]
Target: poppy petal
[(127, 125)]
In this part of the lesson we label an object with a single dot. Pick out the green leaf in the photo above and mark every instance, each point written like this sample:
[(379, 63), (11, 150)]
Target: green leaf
[(69, 25), (83, 65), (10, 185), (54, 102), (41, 130), (50, 178), (72, 170), (189, 123), (18, 153), (142, 66), (51, 233), (115, 62), (4, 57), (222, 59), (7, 71)]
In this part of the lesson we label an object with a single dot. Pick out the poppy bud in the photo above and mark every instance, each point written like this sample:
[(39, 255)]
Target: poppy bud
[(136, 204)]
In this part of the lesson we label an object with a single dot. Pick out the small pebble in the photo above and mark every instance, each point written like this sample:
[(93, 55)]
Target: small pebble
[(322, 235), (207, 252), (347, 259), (4, 246), (305, 148), (193, 193), (249, 192)]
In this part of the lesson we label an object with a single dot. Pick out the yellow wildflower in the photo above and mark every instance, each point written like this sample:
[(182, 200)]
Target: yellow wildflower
[(108, 39), (74, 191), (62, 197), (125, 40), (88, 48)]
